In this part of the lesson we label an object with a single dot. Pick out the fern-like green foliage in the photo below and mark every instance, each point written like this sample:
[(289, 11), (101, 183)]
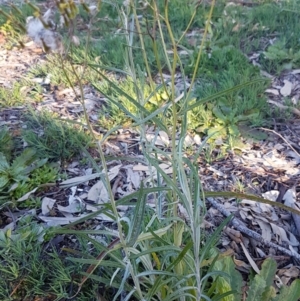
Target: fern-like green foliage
[(43, 131)]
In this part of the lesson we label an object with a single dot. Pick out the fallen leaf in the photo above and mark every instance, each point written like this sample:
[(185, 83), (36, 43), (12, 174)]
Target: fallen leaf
[(266, 232), (79, 180), (286, 90), (272, 91), (133, 177), (279, 233), (164, 137), (47, 205), (59, 221), (251, 261), (98, 192), (76, 206), (290, 200), (27, 195)]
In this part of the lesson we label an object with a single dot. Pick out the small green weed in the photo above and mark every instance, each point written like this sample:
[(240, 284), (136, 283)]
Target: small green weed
[(281, 58), (260, 287), (42, 175), (14, 177)]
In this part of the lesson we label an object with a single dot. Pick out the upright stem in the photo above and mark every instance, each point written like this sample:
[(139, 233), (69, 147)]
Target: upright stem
[(174, 110)]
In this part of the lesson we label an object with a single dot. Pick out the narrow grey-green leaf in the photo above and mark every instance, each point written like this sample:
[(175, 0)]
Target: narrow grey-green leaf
[(136, 223)]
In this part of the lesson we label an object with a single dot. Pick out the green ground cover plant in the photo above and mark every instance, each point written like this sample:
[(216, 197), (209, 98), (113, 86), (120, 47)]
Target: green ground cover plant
[(43, 132), (19, 93), (13, 22), (31, 266), (6, 142), (14, 176), (149, 253), (268, 29)]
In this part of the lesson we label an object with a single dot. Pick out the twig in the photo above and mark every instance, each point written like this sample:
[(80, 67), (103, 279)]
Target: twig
[(289, 144), (238, 225), (281, 106)]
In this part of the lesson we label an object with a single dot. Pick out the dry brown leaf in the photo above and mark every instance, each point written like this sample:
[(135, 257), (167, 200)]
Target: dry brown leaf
[(287, 274), (241, 264)]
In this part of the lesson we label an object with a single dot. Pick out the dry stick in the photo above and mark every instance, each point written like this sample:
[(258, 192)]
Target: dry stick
[(289, 144), (237, 224), (281, 106)]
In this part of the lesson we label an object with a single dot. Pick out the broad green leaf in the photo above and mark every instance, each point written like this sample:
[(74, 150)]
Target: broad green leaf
[(217, 131), (161, 278), (223, 286), (236, 280), (289, 293), (35, 165), (3, 180), (269, 294), (23, 160), (257, 287), (3, 163), (233, 130), (268, 271), (219, 114)]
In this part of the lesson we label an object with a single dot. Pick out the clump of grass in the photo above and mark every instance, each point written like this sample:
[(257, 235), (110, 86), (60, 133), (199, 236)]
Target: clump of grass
[(13, 23), (11, 96), (52, 138), (20, 93), (6, 142)]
